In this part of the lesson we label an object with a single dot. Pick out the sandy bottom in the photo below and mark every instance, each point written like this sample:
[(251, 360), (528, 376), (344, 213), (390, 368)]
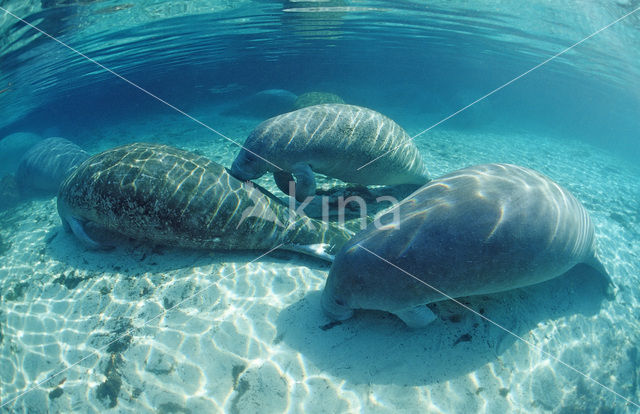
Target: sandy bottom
[(140, 329)]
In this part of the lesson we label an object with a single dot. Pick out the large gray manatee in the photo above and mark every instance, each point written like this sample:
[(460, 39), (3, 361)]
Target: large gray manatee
[(169, 196), (331, 139), (479, 230), (45, 165)]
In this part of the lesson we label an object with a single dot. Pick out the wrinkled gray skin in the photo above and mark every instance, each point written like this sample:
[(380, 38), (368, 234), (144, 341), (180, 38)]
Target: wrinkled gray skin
[(330, 139), (164, 195), (45, 166), (479, 230)]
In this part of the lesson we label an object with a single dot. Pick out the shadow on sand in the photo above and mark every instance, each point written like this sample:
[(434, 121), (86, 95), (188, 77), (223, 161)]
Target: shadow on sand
[(377, 348), (134, 257)]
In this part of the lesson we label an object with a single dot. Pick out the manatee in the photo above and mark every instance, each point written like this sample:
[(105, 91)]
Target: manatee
[(266, 103), (479, 230), (168, 196), (13, 147), (331, 139), (9, 192), (43, 167), (275, 97), (316, 98)]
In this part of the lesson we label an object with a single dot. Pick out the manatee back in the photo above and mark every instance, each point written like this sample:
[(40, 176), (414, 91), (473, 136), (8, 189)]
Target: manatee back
[(336, 140)]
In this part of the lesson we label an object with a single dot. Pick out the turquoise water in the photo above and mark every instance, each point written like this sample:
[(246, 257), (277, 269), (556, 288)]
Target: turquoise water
[(149, 329)]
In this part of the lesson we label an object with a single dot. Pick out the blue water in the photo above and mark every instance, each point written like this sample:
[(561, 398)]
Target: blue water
[(576, 118), (429, 60)]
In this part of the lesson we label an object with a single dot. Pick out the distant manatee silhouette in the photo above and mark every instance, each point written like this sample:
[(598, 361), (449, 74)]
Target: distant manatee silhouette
[(13, 147), (265, 104), (46, 165)]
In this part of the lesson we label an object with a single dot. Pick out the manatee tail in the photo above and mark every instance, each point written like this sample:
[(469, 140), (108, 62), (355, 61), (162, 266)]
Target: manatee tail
[(316, 238)]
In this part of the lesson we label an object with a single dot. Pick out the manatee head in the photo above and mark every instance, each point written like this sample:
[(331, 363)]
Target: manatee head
[(335, 303), (248, 166)]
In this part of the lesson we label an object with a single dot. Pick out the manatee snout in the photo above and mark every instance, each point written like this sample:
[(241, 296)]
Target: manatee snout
[(247, 166), (334, 306)]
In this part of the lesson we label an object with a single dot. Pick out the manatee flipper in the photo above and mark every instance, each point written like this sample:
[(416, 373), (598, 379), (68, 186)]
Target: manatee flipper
[(417, 317), (595, 263), (282, 179), (304, 179), (66, 226), (319, 250), (78, 230)]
